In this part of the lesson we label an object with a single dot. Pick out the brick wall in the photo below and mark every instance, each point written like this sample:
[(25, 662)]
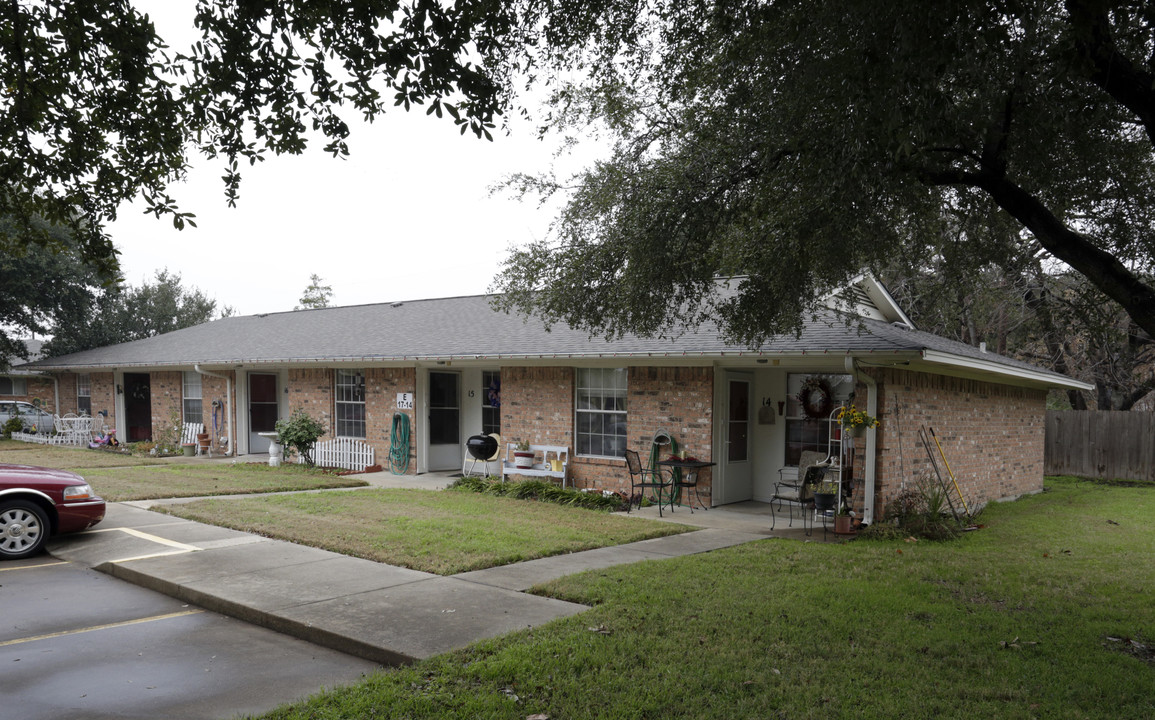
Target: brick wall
[(166, 395), (103, 391), (677, 400), (992, 434), (42, 389), (311, 390), (538, 406), (214, 389), (381, 388)]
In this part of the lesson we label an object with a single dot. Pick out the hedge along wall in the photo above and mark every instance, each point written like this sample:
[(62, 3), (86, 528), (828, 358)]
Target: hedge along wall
[(992, 434)]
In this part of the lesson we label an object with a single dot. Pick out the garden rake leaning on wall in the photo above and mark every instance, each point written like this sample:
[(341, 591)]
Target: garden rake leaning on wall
[(925, 439)]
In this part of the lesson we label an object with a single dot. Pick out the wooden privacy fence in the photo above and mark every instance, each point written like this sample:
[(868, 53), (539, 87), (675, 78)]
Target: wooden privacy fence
[(1103, 444), (344, 453)]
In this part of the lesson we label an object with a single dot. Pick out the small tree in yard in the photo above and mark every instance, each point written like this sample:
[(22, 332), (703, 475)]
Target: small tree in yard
[(299, 433)]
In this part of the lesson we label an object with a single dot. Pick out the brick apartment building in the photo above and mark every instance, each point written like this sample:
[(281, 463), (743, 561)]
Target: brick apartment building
[(455, 368)]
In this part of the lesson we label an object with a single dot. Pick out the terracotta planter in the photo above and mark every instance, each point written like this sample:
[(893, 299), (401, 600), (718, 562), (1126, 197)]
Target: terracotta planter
[(523, 459), (843, 525)]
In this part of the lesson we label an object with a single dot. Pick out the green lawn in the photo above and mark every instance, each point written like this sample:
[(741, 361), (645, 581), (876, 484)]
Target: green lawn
[(22, 453), (166, 481), (1047, 612), (439, 532), (119, 476)]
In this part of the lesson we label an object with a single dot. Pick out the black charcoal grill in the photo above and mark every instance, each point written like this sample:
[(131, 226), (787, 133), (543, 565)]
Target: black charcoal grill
[(480, 448)]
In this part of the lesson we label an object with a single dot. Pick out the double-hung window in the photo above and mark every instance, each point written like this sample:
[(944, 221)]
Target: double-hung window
[(191, 404), (84, 393), (804, 430), (601, 412), (491, 402), (13, 386), (350, 409)]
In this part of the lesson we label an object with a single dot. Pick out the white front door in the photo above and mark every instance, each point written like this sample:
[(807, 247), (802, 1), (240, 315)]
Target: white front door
[(444, 421), (737, 475)]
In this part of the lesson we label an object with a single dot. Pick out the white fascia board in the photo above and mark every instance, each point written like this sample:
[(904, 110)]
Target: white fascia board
[(876, 289), (1053, 380)]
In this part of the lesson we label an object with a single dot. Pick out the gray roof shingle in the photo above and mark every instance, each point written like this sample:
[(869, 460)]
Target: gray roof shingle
[(468, 327)]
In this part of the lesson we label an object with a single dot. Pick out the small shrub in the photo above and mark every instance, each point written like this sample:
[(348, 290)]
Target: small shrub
[(300, 433), (14, 424), (921, 511)]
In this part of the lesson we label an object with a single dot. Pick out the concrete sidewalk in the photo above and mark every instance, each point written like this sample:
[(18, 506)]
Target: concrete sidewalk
[(379, 612)]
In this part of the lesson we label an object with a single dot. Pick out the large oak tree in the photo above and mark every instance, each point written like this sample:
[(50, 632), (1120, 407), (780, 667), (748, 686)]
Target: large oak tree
[(798, 143)]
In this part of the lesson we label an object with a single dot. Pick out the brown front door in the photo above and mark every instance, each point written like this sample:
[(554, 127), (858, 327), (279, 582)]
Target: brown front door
[(138, 406)]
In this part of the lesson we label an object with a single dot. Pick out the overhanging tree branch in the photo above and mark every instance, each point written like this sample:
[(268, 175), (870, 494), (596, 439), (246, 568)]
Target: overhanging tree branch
[(1079, 251)]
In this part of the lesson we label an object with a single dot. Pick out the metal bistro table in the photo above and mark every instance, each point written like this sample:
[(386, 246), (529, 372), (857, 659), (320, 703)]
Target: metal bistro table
[(689, 479)]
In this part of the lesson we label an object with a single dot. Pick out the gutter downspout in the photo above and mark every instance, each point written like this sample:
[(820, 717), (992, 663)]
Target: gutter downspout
[(871, 442), (56, 392), (229, 397)]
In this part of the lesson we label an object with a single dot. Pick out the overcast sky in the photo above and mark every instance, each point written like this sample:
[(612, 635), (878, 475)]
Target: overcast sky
[(407, 216)]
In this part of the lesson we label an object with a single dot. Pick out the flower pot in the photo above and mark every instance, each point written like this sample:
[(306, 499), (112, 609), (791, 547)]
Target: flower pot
[(857, 431), (823, 501), (843, 525), (523, 458), (189, 449)]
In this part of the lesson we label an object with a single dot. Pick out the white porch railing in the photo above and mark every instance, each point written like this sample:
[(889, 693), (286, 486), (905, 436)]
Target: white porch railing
[(347, 453)]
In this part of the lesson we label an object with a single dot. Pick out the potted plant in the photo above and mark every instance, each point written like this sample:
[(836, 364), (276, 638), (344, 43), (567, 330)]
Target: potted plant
[(189, 449), (522, 456), (825, 493), (855, 421), (843, 522)]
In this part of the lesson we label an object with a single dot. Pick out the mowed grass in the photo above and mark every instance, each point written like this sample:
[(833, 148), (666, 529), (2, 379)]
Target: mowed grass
[(1041, 614), (177, 481), (22, 453), (438, 532)]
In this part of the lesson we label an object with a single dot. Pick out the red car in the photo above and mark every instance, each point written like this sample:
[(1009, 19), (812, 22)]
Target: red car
[(37, 502)]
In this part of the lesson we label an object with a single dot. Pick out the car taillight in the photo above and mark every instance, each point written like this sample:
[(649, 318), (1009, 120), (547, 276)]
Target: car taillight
[(77, 492)]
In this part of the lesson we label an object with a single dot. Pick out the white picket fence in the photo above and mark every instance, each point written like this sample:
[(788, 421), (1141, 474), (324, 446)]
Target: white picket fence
[(347, 453)]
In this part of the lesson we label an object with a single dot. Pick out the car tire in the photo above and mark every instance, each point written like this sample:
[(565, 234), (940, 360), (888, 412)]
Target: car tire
[(23, 529)]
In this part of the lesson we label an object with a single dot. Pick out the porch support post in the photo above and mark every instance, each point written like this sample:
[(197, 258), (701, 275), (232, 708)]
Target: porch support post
[(232, 406), (871, 442)]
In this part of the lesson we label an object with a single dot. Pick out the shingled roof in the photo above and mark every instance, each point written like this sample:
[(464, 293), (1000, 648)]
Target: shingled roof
[(468, 328)]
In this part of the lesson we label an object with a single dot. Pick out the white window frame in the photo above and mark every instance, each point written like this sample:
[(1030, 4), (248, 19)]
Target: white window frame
[(487, 406), (601, 400), (84, 392), (16, 383), (192, 390), (806, 433), (349, 397)]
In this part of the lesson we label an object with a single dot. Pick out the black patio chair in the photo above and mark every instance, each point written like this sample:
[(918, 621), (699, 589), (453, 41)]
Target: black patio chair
[(643, 477)]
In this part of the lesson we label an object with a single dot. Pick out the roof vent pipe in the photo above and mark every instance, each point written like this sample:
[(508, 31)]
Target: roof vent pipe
[(871, 442), (228, 398)]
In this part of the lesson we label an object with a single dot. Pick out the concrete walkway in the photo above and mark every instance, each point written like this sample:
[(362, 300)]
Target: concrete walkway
[(386, 614)]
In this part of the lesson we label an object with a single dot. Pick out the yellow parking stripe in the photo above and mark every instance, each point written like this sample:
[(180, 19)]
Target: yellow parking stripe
[(109, 626), (29, 567), (150, 538)]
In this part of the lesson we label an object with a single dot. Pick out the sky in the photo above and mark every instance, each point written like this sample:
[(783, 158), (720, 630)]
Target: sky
[(408, 215)]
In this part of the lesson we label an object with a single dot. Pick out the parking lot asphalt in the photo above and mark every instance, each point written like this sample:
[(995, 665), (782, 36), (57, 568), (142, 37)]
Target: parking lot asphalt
[(75, 643), (385, 614)]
